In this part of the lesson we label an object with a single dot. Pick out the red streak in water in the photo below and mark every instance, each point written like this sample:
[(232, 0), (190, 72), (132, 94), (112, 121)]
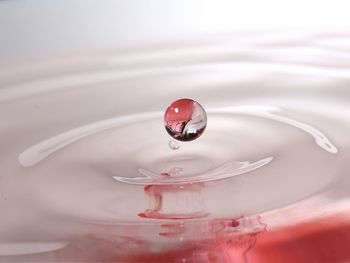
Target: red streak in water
[(325, 240), (156, 193)]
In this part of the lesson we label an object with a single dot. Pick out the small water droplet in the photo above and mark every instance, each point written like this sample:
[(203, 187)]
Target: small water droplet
[(185, 120), (174, 145)]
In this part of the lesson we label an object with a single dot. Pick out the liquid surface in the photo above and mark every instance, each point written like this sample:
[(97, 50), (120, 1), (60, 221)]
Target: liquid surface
[(88, 172)]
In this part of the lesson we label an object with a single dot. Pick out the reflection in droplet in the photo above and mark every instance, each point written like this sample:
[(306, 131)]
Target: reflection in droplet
[(185, 120)]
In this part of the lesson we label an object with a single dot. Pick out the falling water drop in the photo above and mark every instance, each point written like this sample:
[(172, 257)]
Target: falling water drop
[(185, 120)]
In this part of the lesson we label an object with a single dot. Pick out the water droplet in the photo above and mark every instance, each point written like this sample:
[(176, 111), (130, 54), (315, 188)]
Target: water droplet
[(185, 120), (174, 145)]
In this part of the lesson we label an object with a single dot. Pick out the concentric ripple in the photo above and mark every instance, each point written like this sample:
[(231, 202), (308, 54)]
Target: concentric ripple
[(84, 151), (138, 164)]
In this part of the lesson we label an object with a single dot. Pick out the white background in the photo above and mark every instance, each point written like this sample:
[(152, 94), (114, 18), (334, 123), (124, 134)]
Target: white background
[(40, 27)]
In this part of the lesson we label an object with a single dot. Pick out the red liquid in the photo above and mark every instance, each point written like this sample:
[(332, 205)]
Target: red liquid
[(156, 194), (324, 240)]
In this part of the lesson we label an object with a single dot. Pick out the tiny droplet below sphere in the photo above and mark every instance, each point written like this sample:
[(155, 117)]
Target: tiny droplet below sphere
[(174, 145), (185, 120)]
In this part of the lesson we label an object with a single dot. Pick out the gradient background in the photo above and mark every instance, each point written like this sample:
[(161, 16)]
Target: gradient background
[(31, 28)]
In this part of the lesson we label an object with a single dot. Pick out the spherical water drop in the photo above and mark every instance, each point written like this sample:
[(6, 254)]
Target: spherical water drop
[(174, 145), (185, 120)]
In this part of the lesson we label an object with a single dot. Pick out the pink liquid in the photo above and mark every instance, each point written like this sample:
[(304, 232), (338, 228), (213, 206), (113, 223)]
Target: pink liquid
[(87, 174), (324, 240), (155, 194)]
